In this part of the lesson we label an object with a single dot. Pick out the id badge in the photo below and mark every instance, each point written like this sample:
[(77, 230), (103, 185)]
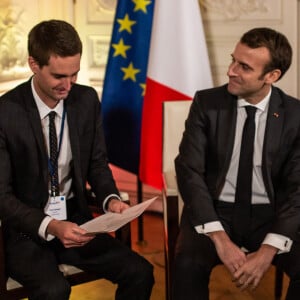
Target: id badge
[(57, 208)]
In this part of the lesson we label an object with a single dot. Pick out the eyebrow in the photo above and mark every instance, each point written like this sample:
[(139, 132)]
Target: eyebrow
[(64, 75), (242, 63)]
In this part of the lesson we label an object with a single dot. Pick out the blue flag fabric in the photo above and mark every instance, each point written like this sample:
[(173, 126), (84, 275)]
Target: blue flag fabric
[(124, 82)]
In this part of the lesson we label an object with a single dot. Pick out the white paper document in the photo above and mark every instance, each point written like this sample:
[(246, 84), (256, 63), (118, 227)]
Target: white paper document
[(112, 221)]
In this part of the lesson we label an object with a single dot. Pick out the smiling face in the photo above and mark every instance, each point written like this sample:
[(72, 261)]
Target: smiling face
[(54, 81), (246, 73)]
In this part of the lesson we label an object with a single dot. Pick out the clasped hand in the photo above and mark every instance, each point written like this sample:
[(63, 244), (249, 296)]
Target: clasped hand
[(250, 273), (246, 270)]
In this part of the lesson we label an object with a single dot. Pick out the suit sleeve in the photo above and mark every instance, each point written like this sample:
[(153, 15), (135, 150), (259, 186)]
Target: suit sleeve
[(99, 173), (287, 188), (190, 167)]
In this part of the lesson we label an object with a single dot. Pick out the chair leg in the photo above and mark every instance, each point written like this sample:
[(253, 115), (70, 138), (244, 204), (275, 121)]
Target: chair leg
[(124, 234), (171, 229), (278, 283)]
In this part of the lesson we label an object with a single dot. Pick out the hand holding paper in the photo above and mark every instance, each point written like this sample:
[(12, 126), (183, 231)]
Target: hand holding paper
[(112, 221)]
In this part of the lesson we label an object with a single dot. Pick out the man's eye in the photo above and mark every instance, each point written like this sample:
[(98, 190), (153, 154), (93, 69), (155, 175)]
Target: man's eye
[(58, 76), (245, 67)]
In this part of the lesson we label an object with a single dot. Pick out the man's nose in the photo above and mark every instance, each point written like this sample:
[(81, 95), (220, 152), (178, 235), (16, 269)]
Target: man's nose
[(68, 82), (232, 69)]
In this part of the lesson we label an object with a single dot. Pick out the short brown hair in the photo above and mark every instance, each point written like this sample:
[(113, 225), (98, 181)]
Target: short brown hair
[(53, 37), (277, 44)]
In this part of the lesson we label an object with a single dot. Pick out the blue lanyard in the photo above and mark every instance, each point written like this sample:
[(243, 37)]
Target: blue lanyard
[(62, 126)]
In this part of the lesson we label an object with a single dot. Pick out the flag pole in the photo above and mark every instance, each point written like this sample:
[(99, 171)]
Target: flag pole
[(140, 220)]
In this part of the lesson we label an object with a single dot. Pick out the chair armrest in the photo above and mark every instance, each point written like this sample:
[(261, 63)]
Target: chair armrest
[(172, 200), (170, 184)]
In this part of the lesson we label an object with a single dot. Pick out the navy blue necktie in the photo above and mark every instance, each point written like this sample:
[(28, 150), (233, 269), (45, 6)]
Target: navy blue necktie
[(243, 193), (53, 155)]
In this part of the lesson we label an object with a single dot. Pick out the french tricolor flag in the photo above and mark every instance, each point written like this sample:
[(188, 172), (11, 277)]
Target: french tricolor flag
[(178, 65)]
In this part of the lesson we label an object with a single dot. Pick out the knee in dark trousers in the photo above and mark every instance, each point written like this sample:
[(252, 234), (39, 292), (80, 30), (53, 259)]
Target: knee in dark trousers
[(293, 291), (54, 289), (191, 279), (136, 281)]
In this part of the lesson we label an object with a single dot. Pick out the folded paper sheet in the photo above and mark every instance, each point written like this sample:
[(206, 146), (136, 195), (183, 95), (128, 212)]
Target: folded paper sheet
[(112, 221)]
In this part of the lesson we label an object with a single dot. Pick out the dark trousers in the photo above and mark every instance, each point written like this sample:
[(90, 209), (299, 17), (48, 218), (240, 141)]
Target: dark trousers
[(196, 255), (34, 263)]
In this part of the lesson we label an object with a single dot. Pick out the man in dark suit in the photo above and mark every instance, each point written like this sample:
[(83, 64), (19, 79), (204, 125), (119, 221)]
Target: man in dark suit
[(214, 227), (41, 213)]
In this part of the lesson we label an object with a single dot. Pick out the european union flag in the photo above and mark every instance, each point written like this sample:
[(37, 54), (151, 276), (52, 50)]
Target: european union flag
[(124, 83)]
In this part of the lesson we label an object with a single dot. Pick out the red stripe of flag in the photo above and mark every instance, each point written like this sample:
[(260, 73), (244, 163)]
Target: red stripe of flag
[(151, 137)]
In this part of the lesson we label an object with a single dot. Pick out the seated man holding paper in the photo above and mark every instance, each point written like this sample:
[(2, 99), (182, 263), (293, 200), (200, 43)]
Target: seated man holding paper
[(51, 144)]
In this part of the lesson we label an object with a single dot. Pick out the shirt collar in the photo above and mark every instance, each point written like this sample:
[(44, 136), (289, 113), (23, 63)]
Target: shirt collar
[(262, 105), (43, 109)]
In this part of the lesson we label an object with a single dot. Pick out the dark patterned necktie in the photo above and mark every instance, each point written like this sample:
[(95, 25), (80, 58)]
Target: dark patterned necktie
[(53, 155), (243, 193)]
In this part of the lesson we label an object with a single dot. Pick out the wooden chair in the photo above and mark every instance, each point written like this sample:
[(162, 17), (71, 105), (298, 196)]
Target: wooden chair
[(12, 290), (174, 116)]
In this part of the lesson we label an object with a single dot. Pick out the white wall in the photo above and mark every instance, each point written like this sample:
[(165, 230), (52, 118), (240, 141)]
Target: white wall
[(224, 22)]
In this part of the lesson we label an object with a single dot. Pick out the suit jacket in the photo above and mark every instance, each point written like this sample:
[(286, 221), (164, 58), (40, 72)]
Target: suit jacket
[(206, 148), (24, 160)]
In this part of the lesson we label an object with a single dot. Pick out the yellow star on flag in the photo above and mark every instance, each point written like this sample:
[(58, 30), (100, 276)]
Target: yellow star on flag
[(130, 72), (120, 48), (125, 24), (143, 86), (141, 5)]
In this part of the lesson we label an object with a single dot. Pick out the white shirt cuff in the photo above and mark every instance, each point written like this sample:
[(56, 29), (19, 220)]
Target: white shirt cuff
[(107, 198), (209, 227), (43, 229), (278, 241)]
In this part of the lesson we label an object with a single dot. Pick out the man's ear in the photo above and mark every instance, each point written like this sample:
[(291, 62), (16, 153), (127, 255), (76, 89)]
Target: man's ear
[(34, 66), (272, 76)]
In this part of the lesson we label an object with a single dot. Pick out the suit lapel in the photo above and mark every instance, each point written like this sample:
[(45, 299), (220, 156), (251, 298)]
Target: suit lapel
[(273, 131), (226, 132), (35, 122), (73, 118)]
